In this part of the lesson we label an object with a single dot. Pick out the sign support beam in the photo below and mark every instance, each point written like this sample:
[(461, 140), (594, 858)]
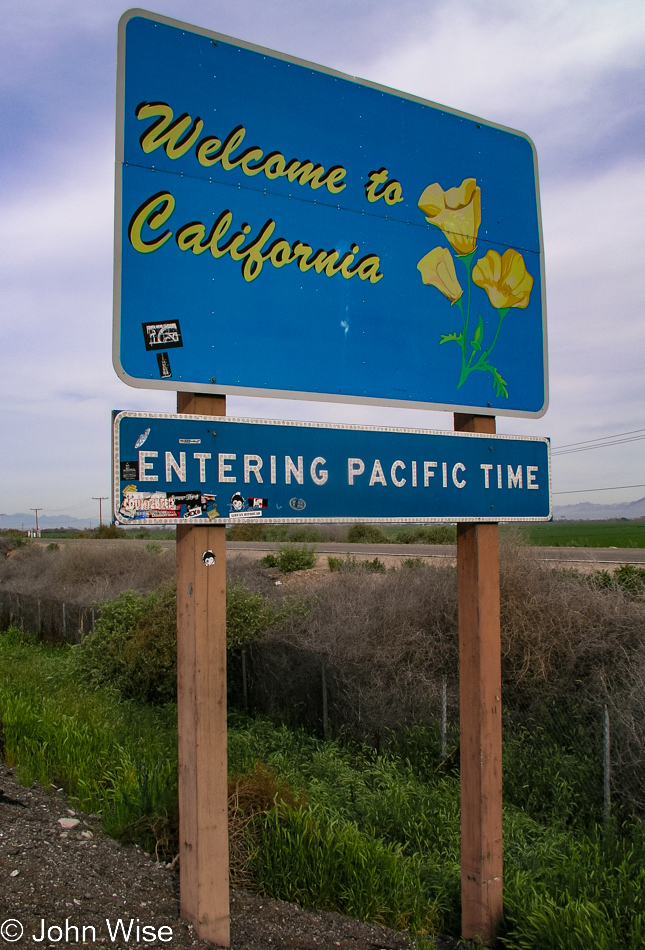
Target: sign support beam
[(201, 710), (480, 718)]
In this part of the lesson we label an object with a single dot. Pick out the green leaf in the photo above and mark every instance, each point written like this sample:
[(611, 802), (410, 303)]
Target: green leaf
[(499, 384), (476, 342), (451, 338)]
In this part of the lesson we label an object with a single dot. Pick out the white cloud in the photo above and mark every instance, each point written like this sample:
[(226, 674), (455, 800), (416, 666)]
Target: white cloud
[(505, 60)]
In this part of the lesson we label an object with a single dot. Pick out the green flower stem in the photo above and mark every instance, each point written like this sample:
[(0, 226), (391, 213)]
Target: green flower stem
[(467, 261), (483, 359)]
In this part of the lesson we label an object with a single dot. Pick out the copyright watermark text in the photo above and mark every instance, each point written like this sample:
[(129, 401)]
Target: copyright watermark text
[(131, 930)]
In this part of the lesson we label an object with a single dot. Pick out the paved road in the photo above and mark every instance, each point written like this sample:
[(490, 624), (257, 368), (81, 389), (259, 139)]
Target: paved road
[(575, 556)]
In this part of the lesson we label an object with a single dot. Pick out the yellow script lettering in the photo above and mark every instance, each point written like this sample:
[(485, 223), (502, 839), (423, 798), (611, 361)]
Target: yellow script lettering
[(166, 132), (391, 191), (154, 212)]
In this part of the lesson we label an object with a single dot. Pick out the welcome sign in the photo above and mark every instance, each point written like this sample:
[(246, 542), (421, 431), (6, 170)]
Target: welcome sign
[(285, 230)]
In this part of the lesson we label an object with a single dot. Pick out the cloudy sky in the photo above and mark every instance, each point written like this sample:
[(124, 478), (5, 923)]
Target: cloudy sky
[(569, 73)]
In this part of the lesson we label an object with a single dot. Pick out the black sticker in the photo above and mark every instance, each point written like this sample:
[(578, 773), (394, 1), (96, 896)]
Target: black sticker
[(258, 502), (166, 334), (164, 365), (130, 471), (190, 498), (208, 558)]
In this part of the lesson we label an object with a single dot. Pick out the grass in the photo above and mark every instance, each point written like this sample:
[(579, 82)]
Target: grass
[(586, 534), (375, 835)]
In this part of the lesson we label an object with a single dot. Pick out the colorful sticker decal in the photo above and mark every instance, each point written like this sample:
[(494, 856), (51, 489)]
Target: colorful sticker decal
[(457, 214), (208, 558), (164, 365), (258, 502), (145, 506), (130, 471), (165, 334), (142, 438), (297, 504), (239, 507)]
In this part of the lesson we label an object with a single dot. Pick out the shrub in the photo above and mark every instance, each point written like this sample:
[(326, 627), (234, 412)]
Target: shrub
[(435, 534), (366, 534), (109, 531), (134, 647), (86, 573), (350, 564), (291, 558), (245, 532), (248, 616), (627, 577)]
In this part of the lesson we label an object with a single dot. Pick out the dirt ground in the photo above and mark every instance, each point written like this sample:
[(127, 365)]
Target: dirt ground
[(57, 880)]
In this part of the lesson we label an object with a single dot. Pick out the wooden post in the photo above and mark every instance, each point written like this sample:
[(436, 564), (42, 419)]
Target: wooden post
[(480, 682), (201, 709)]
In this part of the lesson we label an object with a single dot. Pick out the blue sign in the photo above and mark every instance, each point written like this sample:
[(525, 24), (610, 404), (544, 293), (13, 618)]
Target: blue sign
[(286, 230), (186, 469)]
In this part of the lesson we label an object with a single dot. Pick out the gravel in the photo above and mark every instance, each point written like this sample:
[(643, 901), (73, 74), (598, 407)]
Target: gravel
[(58, 872)]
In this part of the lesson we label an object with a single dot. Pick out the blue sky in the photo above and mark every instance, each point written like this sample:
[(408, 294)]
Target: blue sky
[(569, 74)]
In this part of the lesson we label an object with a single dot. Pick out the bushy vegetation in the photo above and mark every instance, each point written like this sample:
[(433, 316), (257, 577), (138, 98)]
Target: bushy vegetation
[(292, 557), (350, 564), (368, 823), (626, 577), (85, 574), (134, 647), (329, 824)]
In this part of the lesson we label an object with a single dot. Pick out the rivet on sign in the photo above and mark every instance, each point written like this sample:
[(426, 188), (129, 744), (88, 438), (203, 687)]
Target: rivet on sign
[(214, 380)]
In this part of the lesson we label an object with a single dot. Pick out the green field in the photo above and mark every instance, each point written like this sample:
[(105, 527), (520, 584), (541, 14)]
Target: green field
[(585, 534)]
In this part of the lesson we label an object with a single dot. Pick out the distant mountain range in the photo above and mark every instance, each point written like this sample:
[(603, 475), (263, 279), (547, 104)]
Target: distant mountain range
[(25, 522), (586, 511)]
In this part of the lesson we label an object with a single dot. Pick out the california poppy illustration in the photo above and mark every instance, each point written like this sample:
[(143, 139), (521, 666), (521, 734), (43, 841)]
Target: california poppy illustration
[(504, 278)]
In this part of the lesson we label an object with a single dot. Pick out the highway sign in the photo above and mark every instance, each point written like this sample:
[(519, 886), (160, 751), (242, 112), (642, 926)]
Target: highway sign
[(188, 469), (286, 230)]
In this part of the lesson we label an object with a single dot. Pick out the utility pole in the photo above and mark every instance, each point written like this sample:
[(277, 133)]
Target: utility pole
[(100, 499), (36, 510)]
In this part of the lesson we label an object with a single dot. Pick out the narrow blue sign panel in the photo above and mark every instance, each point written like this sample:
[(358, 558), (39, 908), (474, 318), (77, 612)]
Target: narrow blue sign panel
[(178, 469), (286, 230)]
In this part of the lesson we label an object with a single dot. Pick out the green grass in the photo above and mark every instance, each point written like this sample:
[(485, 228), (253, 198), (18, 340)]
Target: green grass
[(372, 835), (586, 534)]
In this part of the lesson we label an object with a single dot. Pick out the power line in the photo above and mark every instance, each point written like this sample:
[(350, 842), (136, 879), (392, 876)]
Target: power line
[(601, 438), (576, 491), (600, 443)]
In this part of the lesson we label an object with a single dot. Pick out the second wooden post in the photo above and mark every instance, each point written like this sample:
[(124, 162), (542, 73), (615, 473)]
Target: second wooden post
[(480, 695), (201, 712)]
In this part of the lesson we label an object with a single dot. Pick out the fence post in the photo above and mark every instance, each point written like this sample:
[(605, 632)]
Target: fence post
[(606, 763), (92, 619), (64, 622), (323, 672), (39, 623), (444, 716)]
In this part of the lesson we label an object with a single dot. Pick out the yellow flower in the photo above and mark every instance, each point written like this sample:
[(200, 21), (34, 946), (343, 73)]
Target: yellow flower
[(505, 279), (456, 211), (438, 270)]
